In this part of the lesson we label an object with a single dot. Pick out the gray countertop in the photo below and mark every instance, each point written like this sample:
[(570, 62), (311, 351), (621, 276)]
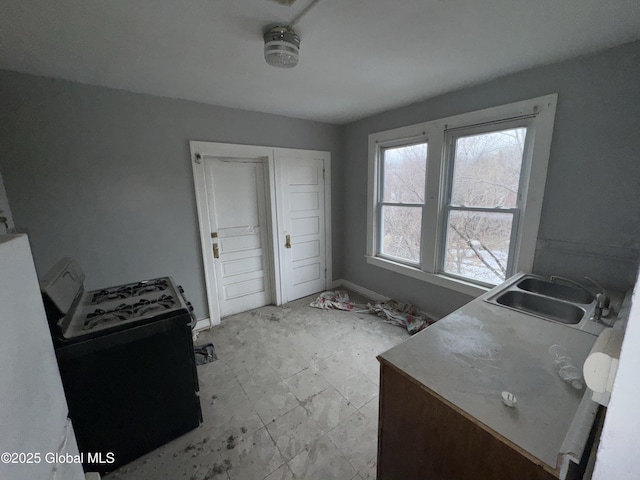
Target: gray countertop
[(474, 354)]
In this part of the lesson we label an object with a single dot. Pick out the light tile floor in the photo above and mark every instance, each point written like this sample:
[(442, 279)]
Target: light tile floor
[(292, 396)]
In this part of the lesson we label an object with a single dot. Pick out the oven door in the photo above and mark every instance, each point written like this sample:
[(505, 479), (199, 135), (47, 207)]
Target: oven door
[(132, 391)]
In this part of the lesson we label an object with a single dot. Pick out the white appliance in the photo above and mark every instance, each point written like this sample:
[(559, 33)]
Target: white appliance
[(35, 430)]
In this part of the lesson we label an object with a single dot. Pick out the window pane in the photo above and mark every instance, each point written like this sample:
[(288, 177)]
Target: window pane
[(478, 245), (487, 169), (404, 170), (401, 228)]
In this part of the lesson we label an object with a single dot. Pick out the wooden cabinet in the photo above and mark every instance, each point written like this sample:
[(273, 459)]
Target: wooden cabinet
[(442, 415), (424, 437)]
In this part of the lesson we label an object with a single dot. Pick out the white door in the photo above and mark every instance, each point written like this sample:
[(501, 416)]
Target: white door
[(301, 222), (237, 203)]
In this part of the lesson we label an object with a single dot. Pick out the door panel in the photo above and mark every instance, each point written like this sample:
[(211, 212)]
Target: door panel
[(237, 215), (305, 250), (301, 216), (303, 201)]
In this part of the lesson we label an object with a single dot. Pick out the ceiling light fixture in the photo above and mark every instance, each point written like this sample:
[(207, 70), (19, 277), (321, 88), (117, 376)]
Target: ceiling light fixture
[(281, 47), (282, 43)]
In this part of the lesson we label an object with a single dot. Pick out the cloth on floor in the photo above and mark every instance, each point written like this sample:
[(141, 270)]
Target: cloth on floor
[(204, 353), (338, 300), (402, 314)]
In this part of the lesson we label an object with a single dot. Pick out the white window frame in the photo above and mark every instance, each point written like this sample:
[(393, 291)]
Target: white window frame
[(380, 201), (538, 114)]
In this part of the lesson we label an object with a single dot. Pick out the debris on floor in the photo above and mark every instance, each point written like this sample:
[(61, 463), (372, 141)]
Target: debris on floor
[(218, 468), (195, 449), (402, 314), (338, 300), (272, 312), (205, 353)]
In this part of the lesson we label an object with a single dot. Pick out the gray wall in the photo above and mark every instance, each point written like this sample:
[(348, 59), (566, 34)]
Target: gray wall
[(105, 176), (591, 213)]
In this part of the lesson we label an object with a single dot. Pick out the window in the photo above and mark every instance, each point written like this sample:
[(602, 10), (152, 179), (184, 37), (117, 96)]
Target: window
[(403, 172), (457, 201), (482, 204)]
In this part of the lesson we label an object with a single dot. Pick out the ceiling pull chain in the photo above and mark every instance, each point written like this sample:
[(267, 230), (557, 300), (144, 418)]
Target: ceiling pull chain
[(304, 11)]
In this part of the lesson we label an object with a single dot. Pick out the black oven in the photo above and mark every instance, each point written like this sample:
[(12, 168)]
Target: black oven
[(127, 364)]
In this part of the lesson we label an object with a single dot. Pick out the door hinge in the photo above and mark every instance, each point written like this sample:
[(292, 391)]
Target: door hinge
[(323, 174), (325, 273)]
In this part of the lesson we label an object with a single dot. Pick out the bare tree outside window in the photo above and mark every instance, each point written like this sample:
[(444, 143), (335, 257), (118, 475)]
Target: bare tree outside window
[(484, 195), (403, 188)]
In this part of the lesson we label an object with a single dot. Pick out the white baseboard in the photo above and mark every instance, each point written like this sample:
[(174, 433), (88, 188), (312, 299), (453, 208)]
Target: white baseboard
[(359, 289), (203, 324)]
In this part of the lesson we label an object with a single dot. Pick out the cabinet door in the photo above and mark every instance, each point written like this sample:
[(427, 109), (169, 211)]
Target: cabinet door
[(422, 437)]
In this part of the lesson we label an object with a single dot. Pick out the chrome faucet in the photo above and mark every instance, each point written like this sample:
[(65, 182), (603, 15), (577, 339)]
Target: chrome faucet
[(555, 278), (602, 302)]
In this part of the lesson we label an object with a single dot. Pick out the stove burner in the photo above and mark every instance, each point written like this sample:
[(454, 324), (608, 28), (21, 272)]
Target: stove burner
[(143, 306), (127, 312), (128, 291), (99, 316), (110, 294), (156, 286)]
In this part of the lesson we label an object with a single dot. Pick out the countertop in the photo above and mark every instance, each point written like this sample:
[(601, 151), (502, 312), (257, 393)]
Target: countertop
[(474, 354)]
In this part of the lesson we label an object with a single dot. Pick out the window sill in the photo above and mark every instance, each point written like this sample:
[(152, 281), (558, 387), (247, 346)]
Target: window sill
[(461, 286)]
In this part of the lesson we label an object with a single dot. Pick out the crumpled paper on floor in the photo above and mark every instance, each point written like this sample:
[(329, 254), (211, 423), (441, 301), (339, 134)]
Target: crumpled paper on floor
[(338, 300), (402, 314)]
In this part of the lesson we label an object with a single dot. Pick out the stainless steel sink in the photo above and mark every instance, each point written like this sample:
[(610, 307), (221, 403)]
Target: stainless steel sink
[(555, 290), (546, 307), (540, 297)]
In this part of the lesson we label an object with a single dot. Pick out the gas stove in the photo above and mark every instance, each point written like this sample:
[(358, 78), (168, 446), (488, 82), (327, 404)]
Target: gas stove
[(84, 315), (115, 348)]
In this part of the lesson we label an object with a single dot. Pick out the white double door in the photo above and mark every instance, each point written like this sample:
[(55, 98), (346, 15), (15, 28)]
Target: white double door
[(263, 221)]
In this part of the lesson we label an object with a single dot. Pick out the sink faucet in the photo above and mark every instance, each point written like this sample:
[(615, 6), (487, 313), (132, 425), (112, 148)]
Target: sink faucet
[(602, 302), (555, 278)]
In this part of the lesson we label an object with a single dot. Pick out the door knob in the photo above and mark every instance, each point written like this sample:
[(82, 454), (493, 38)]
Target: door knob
[(287, 242), (216, 252)]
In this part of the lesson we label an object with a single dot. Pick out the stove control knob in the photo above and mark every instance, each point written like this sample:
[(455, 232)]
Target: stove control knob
[(190, 306), (180, 288)]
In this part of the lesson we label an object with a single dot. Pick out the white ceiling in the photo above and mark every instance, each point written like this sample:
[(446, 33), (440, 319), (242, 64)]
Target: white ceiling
[(357, 57)]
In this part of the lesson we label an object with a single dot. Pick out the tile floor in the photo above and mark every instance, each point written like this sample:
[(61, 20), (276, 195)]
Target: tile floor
[(292, 396)]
